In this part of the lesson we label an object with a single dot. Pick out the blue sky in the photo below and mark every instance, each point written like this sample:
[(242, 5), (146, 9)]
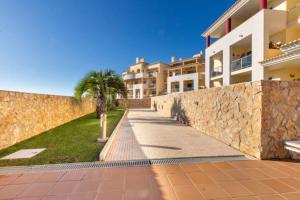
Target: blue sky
[(46, 46)]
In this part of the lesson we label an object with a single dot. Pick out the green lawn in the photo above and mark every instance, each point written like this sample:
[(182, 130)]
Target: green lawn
[(74, 141)]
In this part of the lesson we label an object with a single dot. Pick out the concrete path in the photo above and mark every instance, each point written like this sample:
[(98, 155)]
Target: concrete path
[(146, 135)]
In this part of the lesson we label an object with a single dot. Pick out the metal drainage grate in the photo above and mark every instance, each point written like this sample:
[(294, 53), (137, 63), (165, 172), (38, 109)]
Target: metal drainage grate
[(112, 164)]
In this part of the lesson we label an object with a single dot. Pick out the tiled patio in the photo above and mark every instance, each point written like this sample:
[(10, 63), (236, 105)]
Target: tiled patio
[(239, 180), (146, 135)]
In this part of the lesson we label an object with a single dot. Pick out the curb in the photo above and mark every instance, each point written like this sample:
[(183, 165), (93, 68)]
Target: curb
[(111, 139)]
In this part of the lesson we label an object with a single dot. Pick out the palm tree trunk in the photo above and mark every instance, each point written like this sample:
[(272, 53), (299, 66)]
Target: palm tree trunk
[(101, 112)]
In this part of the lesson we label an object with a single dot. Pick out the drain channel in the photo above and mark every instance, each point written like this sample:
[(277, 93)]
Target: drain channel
[(112, 164)]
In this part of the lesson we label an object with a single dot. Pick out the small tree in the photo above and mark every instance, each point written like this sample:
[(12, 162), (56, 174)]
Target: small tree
[(103, 86)]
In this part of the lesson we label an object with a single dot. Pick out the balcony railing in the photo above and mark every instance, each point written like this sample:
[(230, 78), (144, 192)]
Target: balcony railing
[(187, 89), (152, 85), (173, 90), (216, 73), (241, 63)]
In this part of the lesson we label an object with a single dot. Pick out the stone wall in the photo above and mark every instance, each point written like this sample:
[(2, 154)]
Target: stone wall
[(281, 117), (134, 103), (240, 115), (23, 115)]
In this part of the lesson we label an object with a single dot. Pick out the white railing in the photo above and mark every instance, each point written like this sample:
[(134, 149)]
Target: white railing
[(173, 90), (241, 63), (152, 85), (135, 76), (216, 73)]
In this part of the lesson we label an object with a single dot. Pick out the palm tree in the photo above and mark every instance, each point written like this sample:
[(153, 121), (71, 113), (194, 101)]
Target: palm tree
[(103, 86)]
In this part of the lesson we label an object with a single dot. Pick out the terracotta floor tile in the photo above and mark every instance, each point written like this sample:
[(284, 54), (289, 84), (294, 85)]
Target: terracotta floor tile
[(179, 180), (199, 178), (294, 183), (190, 167), (83, 196), (242, 164), (110, 185), (237, 174), (94, 174), (28, 198), (112, 195), (223, 165), (292, 196), (158, 169), (50, 177), (27, 178), (136, 182), (163, 193), (212, 191), (140, 194), (133, 171), (188, 192), (257, 187), (235, 189), (12, 191), (278, 186), (88, 186), (170, 169), (246, 198), (218, 176), (158, 181), (274, 173), (37, 190), (114, 173), (7, 179), (61, 188), (271, 197), (55, 197), (205, 167), (73, 175), (255, 174)]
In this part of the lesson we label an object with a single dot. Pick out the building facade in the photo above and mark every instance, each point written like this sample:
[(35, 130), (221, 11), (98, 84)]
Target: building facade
[(185, 75), (250, 37), (144, 80)]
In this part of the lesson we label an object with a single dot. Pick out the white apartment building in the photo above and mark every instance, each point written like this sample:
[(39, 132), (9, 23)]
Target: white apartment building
[(253, 41), (185, 75)]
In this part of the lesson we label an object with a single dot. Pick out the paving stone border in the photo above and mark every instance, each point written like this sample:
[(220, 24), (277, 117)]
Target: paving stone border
[(111, 139)]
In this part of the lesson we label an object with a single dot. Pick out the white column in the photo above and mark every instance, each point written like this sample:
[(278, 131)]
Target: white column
[(134, 93), (226, 65), (196, 84), (207, 70), (168, 86), (181, 86)]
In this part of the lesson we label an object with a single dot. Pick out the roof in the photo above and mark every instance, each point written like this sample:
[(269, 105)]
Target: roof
[(238, 4), (281, 58)]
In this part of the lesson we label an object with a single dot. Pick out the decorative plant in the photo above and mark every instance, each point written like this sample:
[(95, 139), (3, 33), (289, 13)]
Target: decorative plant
[(103, 86)]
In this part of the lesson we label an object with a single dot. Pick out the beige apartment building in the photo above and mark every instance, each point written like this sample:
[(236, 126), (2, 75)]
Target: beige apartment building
[(254, 40), (144, 80)]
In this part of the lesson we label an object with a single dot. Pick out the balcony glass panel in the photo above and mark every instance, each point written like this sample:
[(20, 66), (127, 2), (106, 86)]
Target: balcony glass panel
[(241, 63)]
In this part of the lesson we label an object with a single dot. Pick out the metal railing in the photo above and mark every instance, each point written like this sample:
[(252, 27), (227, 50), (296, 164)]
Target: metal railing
[(216, 73), (241, 63)]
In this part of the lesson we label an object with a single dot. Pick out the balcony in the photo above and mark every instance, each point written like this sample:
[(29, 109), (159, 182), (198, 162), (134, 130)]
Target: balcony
[(134, 76), (152, 74), (216, 73), (129, 87), (174, 90), (152, 85), (294, 14), (188, 89), (242, 63)]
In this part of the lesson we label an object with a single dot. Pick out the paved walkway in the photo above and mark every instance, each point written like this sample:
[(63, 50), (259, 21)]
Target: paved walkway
[(234, 180), (146, 135)]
